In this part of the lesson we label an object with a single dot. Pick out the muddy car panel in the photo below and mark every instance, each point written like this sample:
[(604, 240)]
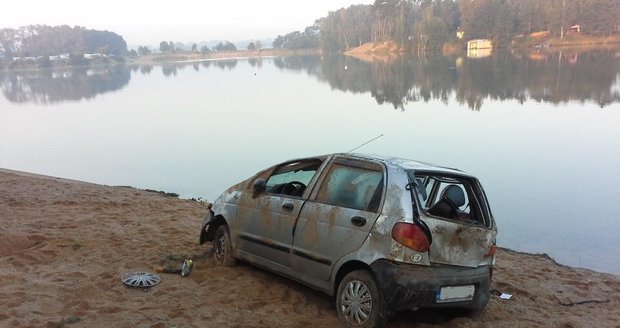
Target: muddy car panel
[(341, 210), (410, 286), (344, 213), (263, 228), (463, 237)]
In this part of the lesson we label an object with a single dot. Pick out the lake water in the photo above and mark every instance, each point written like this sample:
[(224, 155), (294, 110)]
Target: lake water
[(540, 130)]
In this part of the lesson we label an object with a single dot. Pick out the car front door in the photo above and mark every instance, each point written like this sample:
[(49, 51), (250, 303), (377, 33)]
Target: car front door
[(338, 217), (266, 220)]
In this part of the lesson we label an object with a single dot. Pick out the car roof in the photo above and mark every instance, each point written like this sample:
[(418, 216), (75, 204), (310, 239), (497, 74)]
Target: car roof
[(406, 164), (393, 162)]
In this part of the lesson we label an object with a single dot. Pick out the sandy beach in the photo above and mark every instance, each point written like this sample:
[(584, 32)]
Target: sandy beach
[(65, 244)]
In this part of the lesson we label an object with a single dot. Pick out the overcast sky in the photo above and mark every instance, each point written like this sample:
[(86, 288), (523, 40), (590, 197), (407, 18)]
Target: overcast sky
[(150, 22)]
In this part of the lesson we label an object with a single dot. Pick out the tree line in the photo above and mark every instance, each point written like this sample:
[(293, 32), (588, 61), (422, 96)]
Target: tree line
[(414, 24), (170, 46), (43, 40), (428, 24)]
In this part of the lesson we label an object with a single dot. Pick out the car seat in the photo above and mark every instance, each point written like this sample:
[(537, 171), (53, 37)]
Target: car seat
[(452, 197)]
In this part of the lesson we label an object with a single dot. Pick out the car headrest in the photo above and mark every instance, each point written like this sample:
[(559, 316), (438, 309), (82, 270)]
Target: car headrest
[(455, 194)]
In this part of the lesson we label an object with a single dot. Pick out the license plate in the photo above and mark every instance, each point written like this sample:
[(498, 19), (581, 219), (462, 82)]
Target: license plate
[(455, 294)]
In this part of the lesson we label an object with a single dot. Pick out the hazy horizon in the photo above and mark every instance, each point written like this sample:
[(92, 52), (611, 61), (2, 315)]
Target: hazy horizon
[(186, 21)]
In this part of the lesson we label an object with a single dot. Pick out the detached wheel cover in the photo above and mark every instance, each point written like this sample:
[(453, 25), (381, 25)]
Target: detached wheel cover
[(356, 302), (140, 279)]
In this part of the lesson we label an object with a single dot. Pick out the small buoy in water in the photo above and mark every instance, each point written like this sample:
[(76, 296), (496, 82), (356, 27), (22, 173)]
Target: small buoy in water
[(346, 67)]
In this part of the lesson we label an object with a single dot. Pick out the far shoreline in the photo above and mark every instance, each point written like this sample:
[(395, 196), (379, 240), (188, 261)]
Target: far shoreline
[(191, 57), (372, 51), (384, 51)]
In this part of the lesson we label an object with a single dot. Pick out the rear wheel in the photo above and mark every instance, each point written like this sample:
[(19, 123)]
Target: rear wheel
[(359, 302), (222, 247)]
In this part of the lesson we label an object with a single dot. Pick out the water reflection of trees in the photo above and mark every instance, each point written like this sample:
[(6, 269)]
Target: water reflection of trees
[(549, 77), (555, 77), (172, 69), (540, 76), (169, 69), (146, 69), (53, 86), (226, 64)]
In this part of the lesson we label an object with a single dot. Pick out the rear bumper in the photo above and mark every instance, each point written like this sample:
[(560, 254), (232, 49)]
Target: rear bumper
[(405, 286)]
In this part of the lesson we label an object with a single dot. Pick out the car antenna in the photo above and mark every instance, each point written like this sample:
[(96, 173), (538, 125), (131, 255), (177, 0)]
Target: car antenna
[(367, 142)]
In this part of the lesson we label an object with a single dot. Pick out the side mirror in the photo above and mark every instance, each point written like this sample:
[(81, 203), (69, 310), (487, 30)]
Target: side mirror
[(259, 187)]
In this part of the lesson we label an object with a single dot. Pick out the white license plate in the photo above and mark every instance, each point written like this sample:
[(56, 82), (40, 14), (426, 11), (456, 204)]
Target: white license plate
[(455, 294)]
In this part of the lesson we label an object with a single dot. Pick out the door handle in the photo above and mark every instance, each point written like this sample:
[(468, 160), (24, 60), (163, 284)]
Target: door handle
[(358, 221), (287, 206)]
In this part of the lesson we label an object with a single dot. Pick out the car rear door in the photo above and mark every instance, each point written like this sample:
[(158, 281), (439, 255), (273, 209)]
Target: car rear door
[(465, 235), (338, 216)]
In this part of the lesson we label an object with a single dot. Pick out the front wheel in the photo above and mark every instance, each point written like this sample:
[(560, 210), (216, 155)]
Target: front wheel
[(359, 302), (222, 247)]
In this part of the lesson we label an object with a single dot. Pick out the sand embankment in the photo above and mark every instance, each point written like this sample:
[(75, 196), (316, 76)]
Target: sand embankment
[(65, 244)]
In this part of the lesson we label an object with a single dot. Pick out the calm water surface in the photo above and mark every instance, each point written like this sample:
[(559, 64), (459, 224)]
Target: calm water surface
[(541, 131)]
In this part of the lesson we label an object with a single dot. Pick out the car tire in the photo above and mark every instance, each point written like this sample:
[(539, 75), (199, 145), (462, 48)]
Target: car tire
[(359, 302), (222, 247)]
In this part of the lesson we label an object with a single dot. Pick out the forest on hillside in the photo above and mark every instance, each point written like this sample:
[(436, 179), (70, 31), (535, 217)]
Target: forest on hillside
[(428, 24), (413, 24), (43, 40)]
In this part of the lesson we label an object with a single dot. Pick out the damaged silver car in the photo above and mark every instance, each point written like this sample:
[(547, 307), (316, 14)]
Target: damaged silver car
[(379, 234)]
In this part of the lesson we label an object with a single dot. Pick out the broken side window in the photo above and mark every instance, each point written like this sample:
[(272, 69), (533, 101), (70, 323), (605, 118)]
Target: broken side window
[(292, 178), (454, 197)]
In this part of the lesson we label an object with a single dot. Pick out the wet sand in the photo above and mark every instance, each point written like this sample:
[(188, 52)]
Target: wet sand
[(64, 245)]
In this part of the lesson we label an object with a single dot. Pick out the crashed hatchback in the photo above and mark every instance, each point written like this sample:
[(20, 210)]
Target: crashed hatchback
[(379, 234)]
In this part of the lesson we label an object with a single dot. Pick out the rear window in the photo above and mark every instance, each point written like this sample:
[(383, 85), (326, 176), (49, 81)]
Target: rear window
[(451, 197)]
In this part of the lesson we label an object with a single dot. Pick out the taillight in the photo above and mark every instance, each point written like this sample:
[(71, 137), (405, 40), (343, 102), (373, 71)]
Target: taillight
[(492, 251), (412, 236)]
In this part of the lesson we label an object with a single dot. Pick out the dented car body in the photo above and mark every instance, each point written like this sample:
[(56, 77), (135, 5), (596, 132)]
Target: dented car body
[(380, 234)]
